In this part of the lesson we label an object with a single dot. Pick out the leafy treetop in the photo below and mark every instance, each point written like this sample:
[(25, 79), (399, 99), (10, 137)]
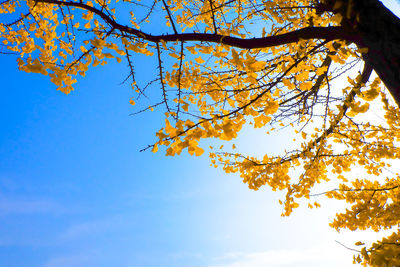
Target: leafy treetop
[(223, 64)]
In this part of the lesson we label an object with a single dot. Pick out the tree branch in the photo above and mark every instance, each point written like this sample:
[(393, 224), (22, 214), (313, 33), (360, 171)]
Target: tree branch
[(170, 17), (324, 33)]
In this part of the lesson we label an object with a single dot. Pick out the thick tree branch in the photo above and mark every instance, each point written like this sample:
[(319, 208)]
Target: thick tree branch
[(324, 33), (375, 27)]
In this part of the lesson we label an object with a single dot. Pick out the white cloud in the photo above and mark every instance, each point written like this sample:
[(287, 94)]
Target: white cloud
[(317, 256), (74, 259), (95, 227), (27, 206)]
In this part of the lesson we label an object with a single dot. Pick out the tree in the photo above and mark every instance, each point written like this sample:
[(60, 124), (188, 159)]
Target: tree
[(269, 64)]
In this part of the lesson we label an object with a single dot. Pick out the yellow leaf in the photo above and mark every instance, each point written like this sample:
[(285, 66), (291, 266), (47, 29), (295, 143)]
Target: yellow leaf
[(199, 60), (321, 70), (174, 55), (271, 107), (155, 148)]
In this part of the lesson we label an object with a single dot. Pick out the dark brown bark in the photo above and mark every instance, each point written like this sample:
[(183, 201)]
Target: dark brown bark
[(380, 32), (378, 29)]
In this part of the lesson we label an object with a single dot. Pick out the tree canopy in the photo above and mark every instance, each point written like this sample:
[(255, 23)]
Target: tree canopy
[(319, 67)]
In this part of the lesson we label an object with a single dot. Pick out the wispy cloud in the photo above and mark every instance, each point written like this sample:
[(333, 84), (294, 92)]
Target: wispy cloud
[(17, 205), (85, 258), (93, 227), (308, 257)]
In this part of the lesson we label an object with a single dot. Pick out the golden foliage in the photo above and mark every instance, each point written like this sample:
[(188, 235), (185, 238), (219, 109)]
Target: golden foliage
[(225, 78)]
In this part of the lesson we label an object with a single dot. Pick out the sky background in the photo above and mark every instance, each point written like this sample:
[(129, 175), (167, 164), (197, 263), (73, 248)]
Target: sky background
[(76, 191)]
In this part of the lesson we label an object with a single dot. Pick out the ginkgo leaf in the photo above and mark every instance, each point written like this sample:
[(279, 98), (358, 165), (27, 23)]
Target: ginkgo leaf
[(199, 60), (223, 75)]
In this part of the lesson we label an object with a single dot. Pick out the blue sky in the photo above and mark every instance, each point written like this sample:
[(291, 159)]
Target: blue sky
[(76, 191)]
